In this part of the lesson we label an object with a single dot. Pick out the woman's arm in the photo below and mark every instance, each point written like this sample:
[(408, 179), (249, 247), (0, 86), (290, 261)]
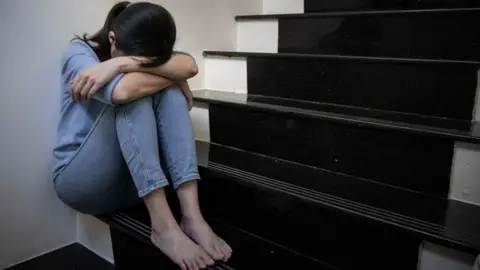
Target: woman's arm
[(136, 85), (187, 93), (131, 86), (180, 67)]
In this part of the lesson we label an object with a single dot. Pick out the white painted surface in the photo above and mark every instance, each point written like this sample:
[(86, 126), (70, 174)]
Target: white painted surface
[(201, 122), (257, 36), (465, 179), (226, 74), (33, 34), (434, 257), (95, 235), (476, 110), (283, 6)]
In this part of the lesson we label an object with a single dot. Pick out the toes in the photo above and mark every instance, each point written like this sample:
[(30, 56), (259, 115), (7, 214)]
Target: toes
[(216, 253), (227, 246), (201, 264), (189, 264), (224, 249), (226, 254), (207, 260), (192, 265), (184, 266), (195, 265)]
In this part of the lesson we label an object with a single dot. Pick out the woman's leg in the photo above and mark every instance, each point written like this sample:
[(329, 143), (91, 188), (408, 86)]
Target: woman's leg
[(96, 180), (137, 133), (178, 147)]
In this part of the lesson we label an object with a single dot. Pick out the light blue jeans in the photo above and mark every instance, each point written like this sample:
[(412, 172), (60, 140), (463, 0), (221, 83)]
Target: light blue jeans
[(129, 152)]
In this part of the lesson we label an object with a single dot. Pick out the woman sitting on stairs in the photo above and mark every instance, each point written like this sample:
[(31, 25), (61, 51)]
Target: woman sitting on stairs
[(125, 112)]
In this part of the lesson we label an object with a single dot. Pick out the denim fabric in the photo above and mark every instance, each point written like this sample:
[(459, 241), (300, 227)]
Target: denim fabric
[(135, 142)]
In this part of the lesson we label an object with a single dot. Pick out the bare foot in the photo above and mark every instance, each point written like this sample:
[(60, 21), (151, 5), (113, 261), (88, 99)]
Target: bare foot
[(201, 232), (181, 250)]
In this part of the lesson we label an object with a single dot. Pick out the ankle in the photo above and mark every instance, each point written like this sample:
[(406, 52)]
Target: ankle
[(192, 218), (164, 227)]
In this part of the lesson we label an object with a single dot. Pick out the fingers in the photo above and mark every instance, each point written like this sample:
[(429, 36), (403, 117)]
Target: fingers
[(85, 92), (93, 90), (77, 87), (83, 87), (190, 104)]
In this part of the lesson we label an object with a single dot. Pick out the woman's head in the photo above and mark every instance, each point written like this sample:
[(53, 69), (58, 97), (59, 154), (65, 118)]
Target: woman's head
[(139, 29)]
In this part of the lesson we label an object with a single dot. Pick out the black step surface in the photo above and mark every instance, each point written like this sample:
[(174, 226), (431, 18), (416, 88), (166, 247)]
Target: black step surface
[(328, 5), (71, 257), (133, 250), (433, 88), (285, 132), (278, 213), (384, 156), (448, 222), (468, 131), (430, 35)]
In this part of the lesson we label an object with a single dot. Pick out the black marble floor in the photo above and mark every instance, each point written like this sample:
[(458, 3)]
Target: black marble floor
[(71, 257)]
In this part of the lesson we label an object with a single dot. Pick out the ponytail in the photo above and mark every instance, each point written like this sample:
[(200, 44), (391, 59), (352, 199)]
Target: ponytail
[(101, 37)]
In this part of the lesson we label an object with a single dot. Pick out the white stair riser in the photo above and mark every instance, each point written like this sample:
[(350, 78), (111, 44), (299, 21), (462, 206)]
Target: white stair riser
[(226, 74), (465, 173), (201, 122), (257, 36), (476, 113), (283, 6)]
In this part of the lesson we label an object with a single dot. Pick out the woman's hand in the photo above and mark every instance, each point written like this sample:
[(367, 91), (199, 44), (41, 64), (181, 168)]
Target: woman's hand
[(187, 93), (89, 81)]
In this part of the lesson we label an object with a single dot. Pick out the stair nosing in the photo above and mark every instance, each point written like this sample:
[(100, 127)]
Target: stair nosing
[(353, 13), (422, 228), (242, 54), (348, 119)]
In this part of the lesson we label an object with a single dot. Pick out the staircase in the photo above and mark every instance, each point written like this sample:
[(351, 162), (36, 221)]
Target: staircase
[(334, 138)]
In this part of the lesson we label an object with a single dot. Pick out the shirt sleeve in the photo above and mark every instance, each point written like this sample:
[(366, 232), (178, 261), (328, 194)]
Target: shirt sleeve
[(78, 57)]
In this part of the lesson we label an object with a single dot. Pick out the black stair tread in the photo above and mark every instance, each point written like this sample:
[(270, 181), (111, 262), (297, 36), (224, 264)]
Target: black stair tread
[(355, 13), (447, 221), (403, 85), (342, 5), (349, 57), (250, 251), (440, 220), (471, 135)]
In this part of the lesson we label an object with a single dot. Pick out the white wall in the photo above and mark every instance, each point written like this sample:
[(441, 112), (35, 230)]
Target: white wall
[(33, 34), (434, 257), (207, 25), (282, 6)]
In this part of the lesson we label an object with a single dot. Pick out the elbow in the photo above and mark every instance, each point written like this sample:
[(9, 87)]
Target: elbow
[(192, 70)]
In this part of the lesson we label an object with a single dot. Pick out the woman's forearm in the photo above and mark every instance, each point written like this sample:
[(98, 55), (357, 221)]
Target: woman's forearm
[(180, 67), (136, 85)]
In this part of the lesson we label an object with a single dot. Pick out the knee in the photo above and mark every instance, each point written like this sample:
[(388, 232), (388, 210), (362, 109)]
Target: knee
[(145, 101), (171, 95)]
